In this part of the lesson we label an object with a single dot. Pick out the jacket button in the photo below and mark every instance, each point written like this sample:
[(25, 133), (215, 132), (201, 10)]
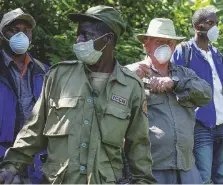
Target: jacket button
[(84, 145), (86, 122), (89, 100), (82, 168)]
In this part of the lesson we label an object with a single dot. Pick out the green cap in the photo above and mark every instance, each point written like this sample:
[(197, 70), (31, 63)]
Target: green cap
[(106, 14)]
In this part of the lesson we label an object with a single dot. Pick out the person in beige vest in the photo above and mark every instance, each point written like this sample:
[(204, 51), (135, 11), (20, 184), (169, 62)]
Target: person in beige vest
[(88, 110)]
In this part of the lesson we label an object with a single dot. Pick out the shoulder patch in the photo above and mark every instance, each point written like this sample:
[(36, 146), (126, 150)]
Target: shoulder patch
[(65, 63), (144, 107)]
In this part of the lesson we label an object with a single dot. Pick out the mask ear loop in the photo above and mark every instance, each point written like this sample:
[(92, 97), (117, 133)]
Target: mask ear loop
[(102, 37), (104, 47), (3, 36), (86, 66), (201, 31)]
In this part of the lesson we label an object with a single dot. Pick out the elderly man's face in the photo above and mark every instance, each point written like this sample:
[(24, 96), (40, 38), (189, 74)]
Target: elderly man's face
[(87, 31), (16, 27), (151, 43)]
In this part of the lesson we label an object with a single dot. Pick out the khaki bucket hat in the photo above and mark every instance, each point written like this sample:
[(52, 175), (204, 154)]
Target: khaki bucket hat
[(16, 14), (160, 27)]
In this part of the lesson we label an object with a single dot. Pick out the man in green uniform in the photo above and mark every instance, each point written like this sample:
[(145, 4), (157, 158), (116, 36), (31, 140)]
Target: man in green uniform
[(88, 111)]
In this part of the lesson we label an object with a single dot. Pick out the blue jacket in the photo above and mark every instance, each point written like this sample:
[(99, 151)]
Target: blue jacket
[(197, 62), (10, 119)]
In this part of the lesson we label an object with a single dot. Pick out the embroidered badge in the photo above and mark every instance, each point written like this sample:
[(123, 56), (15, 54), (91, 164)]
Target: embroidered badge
[(144, 107), (119, 99)]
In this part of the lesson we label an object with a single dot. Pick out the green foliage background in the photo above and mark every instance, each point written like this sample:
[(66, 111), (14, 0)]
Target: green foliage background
[(54, 34)]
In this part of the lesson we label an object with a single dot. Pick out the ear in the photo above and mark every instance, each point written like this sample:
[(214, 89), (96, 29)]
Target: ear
[(109, 38), (146, 42)]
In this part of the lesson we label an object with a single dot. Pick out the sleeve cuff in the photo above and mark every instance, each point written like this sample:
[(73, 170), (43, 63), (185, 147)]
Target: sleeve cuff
[(9, 167)]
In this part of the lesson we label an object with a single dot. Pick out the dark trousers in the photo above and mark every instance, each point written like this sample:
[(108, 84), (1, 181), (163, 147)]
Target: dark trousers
[(208, 152)]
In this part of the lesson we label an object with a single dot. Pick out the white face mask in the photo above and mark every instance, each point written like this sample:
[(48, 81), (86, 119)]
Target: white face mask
[(163, 54), (19, 43), (86, 53), (213, 33)]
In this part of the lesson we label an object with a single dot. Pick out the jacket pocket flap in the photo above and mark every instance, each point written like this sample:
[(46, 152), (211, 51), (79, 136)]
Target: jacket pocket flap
[(117, 112), (64, 102), (58, 129)]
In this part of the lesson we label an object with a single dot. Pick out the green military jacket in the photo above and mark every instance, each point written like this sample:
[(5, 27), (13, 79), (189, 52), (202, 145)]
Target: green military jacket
[(83, 133)]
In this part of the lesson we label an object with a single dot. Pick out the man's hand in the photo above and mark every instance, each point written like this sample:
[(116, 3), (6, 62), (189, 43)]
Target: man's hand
[(160, 84), (6, 176), (143, 70)]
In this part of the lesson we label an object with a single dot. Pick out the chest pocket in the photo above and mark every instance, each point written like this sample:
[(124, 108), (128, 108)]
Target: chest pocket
[(154, 102), (61, 113), (114, 125), (58, 128), (155, 99)]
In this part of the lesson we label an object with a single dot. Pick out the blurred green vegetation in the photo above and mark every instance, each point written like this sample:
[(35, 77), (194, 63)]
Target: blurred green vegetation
[(54, 34)]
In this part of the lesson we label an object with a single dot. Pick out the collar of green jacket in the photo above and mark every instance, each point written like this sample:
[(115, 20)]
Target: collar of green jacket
[(118, 74)]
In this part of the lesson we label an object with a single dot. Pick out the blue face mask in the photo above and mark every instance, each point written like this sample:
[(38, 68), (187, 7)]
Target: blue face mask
[(19, 43)]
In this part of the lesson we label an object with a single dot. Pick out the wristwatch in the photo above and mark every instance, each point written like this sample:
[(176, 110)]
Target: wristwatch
[(175, 80)]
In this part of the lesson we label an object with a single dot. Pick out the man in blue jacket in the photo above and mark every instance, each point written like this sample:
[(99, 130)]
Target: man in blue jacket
[(198, 54), (21, 79)]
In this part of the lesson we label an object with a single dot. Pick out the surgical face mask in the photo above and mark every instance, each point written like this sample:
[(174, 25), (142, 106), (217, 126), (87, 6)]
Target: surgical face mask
[(19, 43), (163, 54), (213, 33), (86, 53)]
